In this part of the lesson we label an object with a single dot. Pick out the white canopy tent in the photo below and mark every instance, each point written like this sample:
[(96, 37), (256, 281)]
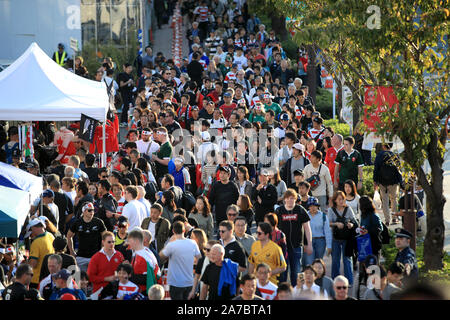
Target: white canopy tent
[(35, 88)]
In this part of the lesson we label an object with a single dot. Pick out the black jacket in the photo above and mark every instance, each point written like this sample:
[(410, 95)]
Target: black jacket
[(269, 199), (285, 172), (222, 195), (107, 202)]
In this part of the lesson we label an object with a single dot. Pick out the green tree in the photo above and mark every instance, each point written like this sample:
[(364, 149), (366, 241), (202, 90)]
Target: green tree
[(398, 44)]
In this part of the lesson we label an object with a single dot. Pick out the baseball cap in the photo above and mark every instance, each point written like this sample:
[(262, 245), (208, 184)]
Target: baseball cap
[(16, 153), (62, 274), (371, 260), (48, 193), (178, 159), (36, 222), (227, 94), (313, 201), (284, 117), (264, 172), (206, 136), (299, 146), (87, 206), (194, 108), (31, 163), (225, 169), (298, 172), (122, 221)]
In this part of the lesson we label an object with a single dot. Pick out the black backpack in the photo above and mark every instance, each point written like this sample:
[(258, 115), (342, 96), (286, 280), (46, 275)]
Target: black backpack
[(385, 236), (389, 172), (188, 201), (344, 233)]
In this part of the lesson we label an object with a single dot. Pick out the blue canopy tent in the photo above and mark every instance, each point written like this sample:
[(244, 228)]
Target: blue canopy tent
[(14, 208), (18, 191)]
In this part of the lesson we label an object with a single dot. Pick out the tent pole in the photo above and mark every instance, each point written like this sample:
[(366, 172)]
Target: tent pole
[(104, 145)]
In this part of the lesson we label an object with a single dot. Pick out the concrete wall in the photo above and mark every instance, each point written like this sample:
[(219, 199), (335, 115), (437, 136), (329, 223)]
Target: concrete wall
[(46, 22)]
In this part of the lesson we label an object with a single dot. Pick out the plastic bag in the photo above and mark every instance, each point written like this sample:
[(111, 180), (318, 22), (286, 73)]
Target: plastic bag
[(364, 245), (377, 200)]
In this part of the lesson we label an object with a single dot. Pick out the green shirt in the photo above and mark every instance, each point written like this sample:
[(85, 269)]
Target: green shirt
[(164, 152), (274, 106), (256, 118), (348, 165)]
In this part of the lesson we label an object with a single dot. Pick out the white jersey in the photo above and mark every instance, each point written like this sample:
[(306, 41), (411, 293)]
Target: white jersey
[(268, 292)]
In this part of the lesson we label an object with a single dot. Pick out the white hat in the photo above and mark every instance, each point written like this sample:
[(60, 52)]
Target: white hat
[(206, 136), (299, 146), (33, 223)]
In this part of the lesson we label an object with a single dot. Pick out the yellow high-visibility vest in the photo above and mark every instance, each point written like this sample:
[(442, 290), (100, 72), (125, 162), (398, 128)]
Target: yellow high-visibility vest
[(60, 62)]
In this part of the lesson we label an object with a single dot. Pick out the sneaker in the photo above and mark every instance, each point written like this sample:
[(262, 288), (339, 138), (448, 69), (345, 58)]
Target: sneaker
[(123, 124)]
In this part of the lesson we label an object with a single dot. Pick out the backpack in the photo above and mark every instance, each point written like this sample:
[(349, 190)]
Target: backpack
[(188, 201), (389, 173), (344, 233), (385, 236)]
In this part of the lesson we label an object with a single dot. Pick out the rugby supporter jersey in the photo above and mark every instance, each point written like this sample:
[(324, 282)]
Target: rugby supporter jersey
[(230, 76), (268, 292), (313, 133), (255, 100), (127, 288), (329, 159), (299, 112), (203, 13), (139, 263)]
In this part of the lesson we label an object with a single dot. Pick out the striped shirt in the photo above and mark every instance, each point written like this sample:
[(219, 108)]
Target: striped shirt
[(203, 13), (127, 288)]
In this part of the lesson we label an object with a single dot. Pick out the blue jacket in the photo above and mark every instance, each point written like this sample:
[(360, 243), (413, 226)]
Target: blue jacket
[(79, 294), (228, 276)]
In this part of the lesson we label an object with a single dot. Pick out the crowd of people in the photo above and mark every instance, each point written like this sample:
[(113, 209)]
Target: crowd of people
[(228, 185)]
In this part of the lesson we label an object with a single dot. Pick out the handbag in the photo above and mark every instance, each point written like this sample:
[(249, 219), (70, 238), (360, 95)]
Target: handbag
[(364, 245), (314, 180)]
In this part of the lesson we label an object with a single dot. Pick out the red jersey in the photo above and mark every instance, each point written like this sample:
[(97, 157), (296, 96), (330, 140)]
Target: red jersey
[(112, 143), (101, 266), (227, 109), (230, 76), (329, 160), (183, 114)]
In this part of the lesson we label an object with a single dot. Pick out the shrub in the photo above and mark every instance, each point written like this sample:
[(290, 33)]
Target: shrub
[(290, 47), (341, 128), (368, 188)]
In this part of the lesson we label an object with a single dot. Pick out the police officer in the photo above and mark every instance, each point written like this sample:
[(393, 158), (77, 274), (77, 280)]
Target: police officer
[(406, 255), (60, 56)]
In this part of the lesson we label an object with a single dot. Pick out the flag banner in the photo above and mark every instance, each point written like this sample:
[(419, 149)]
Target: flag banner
[(87, 128)]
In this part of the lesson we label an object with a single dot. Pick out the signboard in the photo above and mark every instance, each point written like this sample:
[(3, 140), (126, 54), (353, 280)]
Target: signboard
[(74, 44), (382, 97)]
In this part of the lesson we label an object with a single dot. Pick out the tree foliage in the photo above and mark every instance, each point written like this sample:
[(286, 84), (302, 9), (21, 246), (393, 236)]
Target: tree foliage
[(407, 51)]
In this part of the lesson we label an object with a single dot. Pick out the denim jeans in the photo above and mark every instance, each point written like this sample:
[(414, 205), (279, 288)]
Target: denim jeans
[(294, 262), (319, 245), (338, 250), (177, 293)]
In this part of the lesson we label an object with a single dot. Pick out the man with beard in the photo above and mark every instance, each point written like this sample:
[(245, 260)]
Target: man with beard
[(146, 145)]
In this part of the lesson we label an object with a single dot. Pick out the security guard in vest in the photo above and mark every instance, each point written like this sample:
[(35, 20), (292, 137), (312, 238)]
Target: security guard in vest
[(60, 56), (406, 255)]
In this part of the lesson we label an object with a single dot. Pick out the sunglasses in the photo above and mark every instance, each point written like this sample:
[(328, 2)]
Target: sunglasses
[(104, 177), (109, 241), (341, 288), (122, 226), (222, 231), (259, 233), (232, 214), (208, 249), (90, 210)]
